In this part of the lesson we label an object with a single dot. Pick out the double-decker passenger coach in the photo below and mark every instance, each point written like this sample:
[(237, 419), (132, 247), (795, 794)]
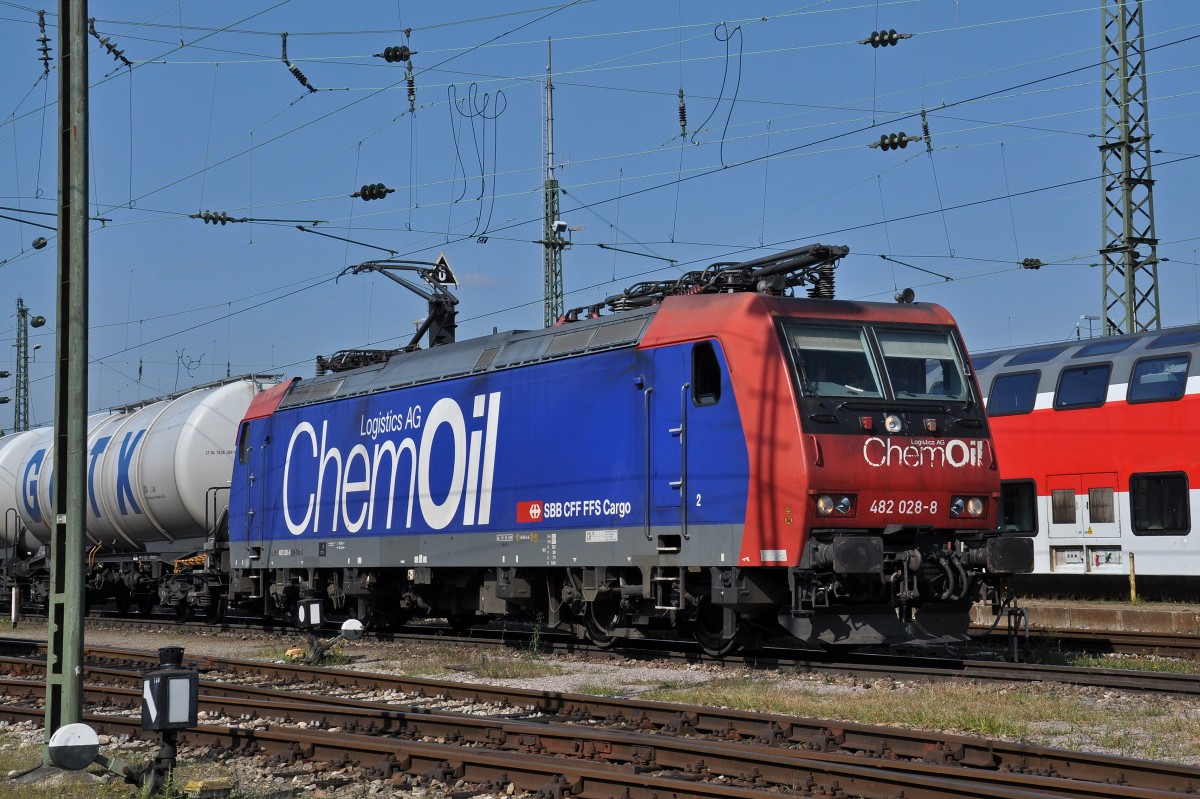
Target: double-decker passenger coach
[(1097, 442)]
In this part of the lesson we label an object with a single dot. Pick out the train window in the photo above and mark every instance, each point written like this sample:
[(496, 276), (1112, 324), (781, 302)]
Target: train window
[(1035, 356), (1160, 504), (1182, 338), (1082, 386), (1014, 393), (244, 444), (1105, 346), (922, 364), (833, 361), (1062, 506), (981, 362), (706, 374), (1100, 506), (1018, 506), (1159, 379)]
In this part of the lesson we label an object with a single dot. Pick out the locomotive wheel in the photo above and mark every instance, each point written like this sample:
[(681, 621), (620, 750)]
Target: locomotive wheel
[(461, 623), (183, 611), (708, 628), (599, 618), (215, 612)]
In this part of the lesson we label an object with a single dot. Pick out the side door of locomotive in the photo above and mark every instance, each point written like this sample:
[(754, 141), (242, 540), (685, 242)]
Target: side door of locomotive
[(686, 451), (252, 454)]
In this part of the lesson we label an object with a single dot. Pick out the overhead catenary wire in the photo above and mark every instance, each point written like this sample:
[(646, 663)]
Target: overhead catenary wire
[(619, 193)]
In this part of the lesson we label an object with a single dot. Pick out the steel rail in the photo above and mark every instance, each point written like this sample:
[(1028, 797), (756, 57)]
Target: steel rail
[(759, 766), (811, 735)]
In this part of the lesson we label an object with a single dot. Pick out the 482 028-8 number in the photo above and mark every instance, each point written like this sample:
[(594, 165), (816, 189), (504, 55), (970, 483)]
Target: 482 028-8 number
[(904, 507)]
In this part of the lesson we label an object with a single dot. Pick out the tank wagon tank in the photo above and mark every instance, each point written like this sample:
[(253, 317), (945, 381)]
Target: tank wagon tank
[(714, 457), (157, 484)]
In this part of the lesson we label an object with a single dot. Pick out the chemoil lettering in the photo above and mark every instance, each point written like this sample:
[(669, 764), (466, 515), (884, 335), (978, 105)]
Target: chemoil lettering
[(954, 452), (358, 486)]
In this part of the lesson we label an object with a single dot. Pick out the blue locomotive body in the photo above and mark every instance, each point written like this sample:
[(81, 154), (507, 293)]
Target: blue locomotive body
[(492, 462)]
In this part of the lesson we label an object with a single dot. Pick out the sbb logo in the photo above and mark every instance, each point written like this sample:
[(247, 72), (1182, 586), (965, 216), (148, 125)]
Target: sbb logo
[(529, 512)]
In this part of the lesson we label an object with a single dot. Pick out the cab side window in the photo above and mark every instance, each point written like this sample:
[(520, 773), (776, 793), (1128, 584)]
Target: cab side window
[(706, 374)]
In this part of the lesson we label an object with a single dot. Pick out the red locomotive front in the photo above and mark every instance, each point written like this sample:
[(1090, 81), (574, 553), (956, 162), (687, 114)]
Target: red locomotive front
[(873, 479)]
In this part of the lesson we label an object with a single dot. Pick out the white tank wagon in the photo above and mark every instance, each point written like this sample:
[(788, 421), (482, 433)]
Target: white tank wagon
[(12, 447), (157, 475)]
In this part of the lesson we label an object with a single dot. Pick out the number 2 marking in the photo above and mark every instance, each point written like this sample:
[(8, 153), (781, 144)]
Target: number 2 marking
[(697, 500)]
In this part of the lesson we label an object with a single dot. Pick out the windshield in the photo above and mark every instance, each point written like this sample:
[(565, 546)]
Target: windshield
[(834, 361), (922, 364), (840, 362)]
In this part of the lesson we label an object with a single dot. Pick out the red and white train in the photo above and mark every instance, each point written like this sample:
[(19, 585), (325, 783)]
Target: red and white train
[(1098, 444)]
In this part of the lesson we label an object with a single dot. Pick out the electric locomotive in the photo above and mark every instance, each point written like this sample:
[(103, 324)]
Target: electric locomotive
[(709, 455)]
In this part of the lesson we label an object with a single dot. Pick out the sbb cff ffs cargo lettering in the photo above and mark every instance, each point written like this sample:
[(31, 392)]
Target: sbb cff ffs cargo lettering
[(709, 457)]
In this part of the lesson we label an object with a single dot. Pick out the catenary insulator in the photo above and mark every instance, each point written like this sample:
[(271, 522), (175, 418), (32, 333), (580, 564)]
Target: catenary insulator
[(43, 43), (823, 283), (884, 38), (373, 191), (394, 54), (412, 89), (682, 115), (300, 76), (894, 141)]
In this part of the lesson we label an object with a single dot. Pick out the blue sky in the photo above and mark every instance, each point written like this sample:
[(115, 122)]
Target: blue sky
[(781, 104)]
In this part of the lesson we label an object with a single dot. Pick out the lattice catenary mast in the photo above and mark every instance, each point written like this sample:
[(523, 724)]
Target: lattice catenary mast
[(1130, 248), (552, 239), (21, 412)]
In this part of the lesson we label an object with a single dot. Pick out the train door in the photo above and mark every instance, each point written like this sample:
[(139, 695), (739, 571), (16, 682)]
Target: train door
[(668, 454), (687, 450), (253, 459), (1084, 506)]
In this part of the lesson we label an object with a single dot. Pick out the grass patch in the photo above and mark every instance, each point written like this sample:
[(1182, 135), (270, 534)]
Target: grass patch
[(17, 755), (598, 689), (1048, 651), (427, 660), (511, 668), (1148, 727), (1167, 665)]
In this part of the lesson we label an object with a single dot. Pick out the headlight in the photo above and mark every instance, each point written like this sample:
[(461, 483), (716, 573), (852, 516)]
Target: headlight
[(892, 423), (841, 505), (967, 506)]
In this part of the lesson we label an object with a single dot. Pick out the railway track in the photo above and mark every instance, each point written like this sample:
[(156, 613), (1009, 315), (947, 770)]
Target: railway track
[(863, 665), (581, 745)]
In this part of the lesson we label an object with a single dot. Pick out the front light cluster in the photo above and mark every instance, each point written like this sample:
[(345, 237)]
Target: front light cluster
[(967, 506), (836, 505)]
